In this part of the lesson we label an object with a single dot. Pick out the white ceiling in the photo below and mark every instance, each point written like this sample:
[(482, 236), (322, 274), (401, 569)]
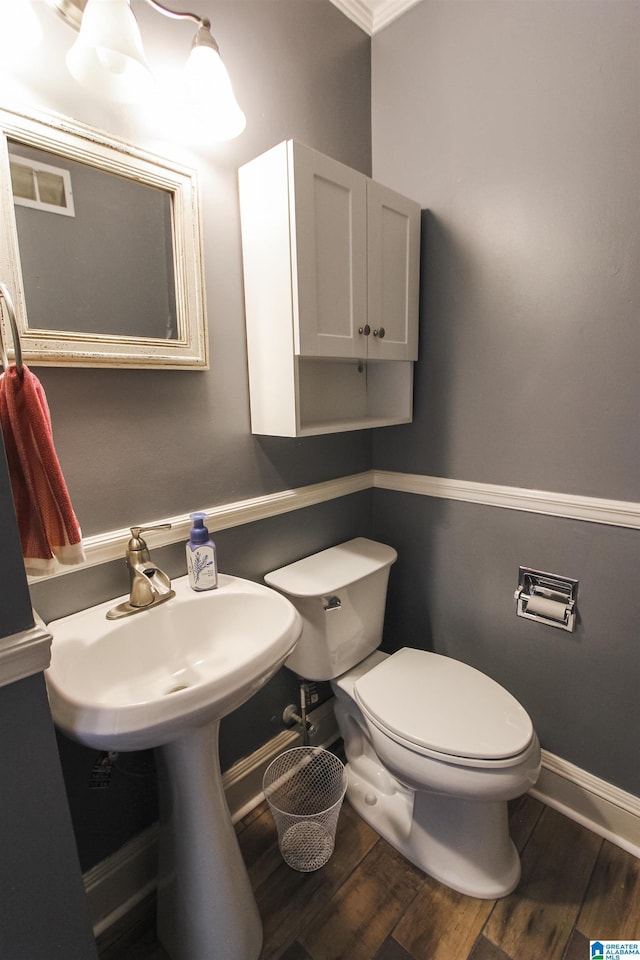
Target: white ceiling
[(373, 15)]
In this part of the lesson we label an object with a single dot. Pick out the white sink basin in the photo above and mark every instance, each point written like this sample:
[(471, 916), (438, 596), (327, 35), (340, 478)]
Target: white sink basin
[(148, 679), (164, 678)]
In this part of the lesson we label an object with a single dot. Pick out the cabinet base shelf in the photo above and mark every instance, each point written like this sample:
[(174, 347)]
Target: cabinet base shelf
[(334, 426), (319, 396)]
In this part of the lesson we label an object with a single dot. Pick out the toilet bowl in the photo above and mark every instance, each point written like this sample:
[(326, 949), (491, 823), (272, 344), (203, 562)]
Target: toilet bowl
[(445, 809), (434, 747)]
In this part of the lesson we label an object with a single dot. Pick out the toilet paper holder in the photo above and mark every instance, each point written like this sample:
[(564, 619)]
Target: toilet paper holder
[(547, 598)]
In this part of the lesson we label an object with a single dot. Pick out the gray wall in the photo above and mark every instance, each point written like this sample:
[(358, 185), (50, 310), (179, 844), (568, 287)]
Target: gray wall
[(138, 446), (516, 126), (44, 912), (519, 133), (15, 606)]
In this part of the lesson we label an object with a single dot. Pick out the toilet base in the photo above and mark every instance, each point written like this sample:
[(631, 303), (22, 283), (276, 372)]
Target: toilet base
[(464, 844)]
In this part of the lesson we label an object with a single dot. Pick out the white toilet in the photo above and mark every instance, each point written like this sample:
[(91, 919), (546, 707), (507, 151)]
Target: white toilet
[(434, 748)]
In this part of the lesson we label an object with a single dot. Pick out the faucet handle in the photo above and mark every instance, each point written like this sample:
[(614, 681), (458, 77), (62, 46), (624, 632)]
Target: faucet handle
[(136, 531), (139, 546)]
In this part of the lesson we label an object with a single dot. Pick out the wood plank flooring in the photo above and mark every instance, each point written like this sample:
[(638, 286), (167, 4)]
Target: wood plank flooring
[(368, 903)]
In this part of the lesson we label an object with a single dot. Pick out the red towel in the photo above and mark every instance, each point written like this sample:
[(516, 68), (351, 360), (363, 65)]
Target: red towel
[(48, 527)]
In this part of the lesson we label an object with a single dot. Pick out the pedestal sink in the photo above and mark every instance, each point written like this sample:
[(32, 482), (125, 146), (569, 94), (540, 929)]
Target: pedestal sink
[(164, 678)]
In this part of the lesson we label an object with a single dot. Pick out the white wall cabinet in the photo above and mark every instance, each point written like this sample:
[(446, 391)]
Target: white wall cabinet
[(331, 271)]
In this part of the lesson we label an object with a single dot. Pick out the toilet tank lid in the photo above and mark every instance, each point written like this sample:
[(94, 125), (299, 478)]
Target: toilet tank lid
[(332, 569)]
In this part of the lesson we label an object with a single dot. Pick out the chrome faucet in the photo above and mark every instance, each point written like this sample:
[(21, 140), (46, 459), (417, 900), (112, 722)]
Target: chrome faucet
[(148, 585)]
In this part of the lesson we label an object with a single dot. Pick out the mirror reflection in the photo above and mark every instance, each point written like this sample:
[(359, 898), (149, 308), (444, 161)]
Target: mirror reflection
[(114, 249)]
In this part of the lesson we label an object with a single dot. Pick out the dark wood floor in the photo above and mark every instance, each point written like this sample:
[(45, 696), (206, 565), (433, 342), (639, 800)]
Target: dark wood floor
[(368, 903)]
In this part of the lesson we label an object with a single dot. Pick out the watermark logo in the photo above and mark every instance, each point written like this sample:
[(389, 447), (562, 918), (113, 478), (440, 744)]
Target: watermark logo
[(613, 949)]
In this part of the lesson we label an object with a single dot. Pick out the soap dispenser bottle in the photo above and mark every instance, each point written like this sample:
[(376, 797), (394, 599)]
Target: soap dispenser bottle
[(201, 556)]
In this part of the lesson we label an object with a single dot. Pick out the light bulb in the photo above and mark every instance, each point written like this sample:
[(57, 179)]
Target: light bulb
[(209, 91), (108, 57)]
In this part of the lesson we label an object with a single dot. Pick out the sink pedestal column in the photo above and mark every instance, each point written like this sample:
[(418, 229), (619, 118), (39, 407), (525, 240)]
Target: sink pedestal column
[(206, 907)]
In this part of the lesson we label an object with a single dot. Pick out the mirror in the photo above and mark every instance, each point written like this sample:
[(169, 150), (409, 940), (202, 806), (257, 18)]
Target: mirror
[(100, 246)]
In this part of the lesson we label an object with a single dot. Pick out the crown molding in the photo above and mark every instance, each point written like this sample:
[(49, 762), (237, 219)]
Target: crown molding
[(373, 15)]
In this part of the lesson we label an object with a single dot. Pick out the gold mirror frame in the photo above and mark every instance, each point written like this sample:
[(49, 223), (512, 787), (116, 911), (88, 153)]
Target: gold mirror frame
[(69, 139)]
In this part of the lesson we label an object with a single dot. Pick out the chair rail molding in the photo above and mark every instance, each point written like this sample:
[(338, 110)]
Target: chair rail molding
[(617, 513), (25, 653), (104, 547)]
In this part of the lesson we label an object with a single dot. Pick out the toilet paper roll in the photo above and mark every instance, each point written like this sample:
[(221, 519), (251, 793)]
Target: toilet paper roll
[(542, 607)]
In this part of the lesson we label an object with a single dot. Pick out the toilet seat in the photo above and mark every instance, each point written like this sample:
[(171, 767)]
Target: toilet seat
[(444, 709)]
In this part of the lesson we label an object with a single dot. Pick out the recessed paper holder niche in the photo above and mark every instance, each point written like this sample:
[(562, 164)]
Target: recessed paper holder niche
[(547, 598)]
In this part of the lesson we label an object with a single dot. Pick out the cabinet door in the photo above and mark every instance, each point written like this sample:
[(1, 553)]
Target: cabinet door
[(393, 274), (330, 256)]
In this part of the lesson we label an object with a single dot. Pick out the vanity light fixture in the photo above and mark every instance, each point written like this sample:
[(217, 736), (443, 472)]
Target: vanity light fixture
[(108, 58)]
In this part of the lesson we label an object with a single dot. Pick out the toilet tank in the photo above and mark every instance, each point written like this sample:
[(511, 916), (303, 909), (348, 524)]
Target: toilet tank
[(340, 594)]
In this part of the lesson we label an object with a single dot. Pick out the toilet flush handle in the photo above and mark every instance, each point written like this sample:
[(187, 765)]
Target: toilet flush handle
[(333, 603)]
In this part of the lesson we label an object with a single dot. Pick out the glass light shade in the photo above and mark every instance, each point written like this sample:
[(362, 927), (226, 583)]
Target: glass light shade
[(108, 57), (209, 91)]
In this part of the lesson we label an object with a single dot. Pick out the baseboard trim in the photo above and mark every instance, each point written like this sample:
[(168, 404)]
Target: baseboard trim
[(602, 807), (118, 883)]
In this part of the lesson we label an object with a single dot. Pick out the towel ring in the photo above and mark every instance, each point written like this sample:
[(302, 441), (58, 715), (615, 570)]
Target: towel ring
[(4, 295)]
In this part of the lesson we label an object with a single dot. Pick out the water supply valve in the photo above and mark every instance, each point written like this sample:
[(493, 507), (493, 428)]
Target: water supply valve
[(291, 718)]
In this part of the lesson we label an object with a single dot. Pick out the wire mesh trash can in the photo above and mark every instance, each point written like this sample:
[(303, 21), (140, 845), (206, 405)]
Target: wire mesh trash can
[(304, 788)]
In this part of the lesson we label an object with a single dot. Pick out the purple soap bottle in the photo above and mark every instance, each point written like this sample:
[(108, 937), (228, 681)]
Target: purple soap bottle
[(201, 556)]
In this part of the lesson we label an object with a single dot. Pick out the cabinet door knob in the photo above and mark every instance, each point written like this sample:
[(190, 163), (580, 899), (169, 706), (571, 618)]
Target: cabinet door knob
[(379, 333), (366, 330)]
